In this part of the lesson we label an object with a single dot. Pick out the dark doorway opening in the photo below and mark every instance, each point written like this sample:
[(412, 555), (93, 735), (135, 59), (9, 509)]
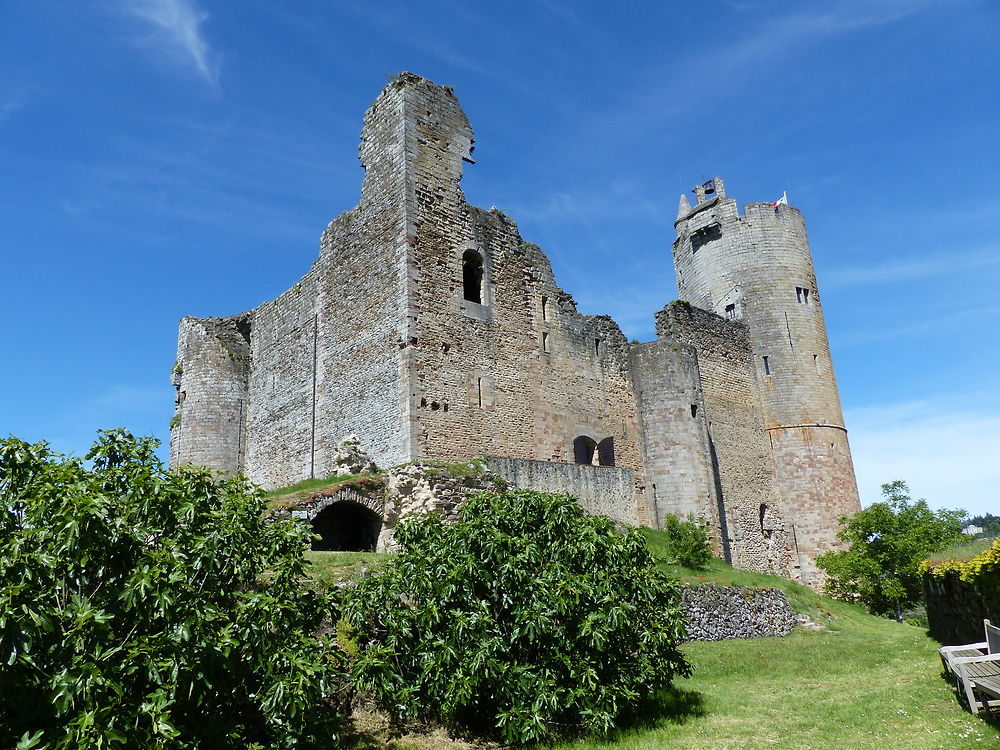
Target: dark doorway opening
[(346, 527)]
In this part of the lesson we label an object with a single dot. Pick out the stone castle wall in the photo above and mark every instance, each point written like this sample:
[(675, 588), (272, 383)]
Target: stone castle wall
[(757, 268), (211, 381), (520, 373), (752, 520), (680, 479), (387, 338)]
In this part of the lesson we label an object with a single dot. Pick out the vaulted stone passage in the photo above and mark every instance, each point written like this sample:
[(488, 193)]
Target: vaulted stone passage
[(347, 526)]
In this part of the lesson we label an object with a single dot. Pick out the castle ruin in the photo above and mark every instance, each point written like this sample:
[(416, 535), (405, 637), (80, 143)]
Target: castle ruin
[(431, 330)]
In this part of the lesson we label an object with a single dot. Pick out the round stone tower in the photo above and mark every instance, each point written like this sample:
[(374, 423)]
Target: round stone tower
[(757, 268)]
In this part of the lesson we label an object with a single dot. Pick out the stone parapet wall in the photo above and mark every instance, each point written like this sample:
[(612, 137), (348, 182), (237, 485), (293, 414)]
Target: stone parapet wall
[(716, 613), (601, 490)]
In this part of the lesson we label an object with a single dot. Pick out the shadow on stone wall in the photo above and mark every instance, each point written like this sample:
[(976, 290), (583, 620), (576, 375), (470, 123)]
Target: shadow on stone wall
[(956, 610)]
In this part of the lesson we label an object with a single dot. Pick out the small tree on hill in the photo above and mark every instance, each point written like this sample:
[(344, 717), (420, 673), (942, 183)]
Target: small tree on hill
[(526, 618), (886, 543), (688, 542), (154, 609)]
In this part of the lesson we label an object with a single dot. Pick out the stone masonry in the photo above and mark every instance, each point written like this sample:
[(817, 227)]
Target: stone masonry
[(430, 329)]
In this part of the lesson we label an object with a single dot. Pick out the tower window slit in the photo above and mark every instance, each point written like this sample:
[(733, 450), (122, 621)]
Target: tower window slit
[(545, 307), (472, 276), (767, 365)]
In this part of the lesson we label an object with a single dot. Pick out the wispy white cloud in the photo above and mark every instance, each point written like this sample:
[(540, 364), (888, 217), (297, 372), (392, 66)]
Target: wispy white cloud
[(771, 38), (13, 97), (938, 324), (618, 199), (8, 107), (945, 447), (174, 33), (913, 267)]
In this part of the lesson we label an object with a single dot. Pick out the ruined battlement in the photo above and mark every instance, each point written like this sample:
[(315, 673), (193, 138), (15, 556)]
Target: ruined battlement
[(432, 330)]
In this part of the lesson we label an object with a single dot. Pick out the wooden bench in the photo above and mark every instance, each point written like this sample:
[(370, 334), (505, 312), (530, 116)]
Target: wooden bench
[(948, 653), (977, 670)]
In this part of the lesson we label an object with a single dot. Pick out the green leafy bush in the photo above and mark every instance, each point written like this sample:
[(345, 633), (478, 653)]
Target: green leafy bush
[(154, 609), (687, 541), (525, 618)]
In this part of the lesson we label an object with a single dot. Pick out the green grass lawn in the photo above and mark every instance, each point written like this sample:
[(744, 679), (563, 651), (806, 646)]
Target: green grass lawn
[(864, 682), (327, 569), (869, 684), (289, 497)]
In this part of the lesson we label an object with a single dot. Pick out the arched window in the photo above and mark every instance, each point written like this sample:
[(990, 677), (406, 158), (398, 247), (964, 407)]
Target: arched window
[(472, 276), (588, 451), (584, 449), (346, 526), (606, 451)]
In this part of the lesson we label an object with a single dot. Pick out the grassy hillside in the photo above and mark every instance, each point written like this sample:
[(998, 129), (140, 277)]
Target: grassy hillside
[(861, 682), (963, 552)]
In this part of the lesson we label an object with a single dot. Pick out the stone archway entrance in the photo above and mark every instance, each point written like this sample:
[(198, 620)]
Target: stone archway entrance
[(346, 526)]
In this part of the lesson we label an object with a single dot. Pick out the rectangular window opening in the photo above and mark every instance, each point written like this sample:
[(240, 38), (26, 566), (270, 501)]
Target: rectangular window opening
[(597, 347), (545, 342), (545, 308), (767, 366), (479, 388), (694, 410), (802, 295), (731, 311)]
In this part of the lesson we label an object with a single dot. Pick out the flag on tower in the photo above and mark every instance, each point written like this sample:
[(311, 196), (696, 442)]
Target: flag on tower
[(782, 201)]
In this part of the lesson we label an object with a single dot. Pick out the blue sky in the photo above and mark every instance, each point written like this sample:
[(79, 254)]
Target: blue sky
[(164, 158)]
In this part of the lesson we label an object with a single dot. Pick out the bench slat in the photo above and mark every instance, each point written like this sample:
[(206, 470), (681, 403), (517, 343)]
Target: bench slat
[(982, 669)]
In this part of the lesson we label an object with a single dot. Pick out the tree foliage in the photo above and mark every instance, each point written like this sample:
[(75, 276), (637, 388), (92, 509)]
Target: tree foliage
[(525, 618), (146, 608), (989, 523), (886, 544), (687, 541)]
